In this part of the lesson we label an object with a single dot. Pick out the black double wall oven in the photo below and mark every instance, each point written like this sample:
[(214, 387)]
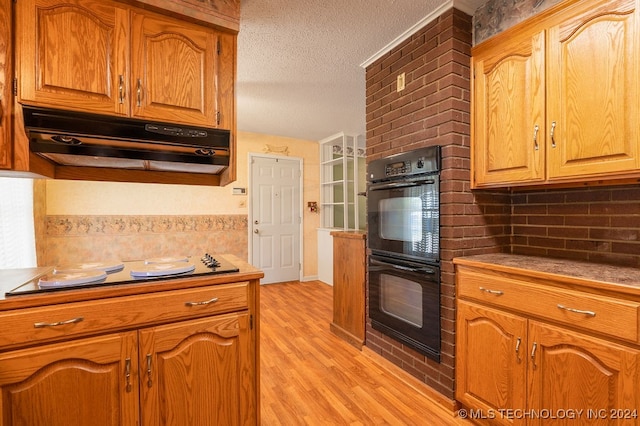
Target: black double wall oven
[(403, 213)]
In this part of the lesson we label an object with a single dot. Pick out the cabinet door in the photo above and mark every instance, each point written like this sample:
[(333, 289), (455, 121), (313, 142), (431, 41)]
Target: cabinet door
[(508, 122), (226, 77), (568, 370), (491, 361), (173, 75), (77, 383), (73, 54), (5, 83), (593, 94), (198, 373)]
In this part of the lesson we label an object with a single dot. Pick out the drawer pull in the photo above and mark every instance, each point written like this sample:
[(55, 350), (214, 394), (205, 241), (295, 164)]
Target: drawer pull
[(577, 311), (59, 323), (205, 302), (496, 292)]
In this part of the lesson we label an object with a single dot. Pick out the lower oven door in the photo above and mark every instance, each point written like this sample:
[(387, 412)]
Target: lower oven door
[(404, 302), (403, 218)]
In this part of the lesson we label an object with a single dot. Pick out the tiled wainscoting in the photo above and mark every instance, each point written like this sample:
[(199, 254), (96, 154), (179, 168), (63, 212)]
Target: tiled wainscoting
[(71, 239)]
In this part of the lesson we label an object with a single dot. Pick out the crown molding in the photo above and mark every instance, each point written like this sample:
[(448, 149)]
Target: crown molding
[(466, 6)]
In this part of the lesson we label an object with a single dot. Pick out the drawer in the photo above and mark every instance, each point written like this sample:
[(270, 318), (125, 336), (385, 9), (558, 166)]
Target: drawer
[(607, 315), (28, 326)]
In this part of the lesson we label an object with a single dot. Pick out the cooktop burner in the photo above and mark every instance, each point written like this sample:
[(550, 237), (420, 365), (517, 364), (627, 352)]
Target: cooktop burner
[(93, 274)]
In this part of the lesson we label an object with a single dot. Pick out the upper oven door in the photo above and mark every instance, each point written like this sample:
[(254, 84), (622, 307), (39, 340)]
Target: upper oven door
[(404, 219)]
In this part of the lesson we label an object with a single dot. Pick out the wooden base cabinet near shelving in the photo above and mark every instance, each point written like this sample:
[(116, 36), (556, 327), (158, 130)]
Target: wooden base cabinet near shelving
[(513, 369)]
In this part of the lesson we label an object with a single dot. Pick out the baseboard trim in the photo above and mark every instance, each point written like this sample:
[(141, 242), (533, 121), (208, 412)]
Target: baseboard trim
[(424, 389)]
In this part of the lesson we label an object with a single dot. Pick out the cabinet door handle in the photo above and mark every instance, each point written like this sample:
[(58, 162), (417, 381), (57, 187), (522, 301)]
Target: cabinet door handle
[(149, 381), (553, 131), (57, 324), (121, 88), (204, 302), (536, 128), (1, 110), (518, 342), (577, 311), (496, 292), (533, 355), (138, 92), (127, 374)]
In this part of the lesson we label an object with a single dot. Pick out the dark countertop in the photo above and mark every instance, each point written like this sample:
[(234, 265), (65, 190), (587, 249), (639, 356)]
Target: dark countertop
[(609, 277), (12, 278)]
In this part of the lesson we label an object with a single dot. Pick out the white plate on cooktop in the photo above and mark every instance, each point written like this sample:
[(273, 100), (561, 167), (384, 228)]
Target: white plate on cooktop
[(71, 279), (88, 266), (166, 260), (162, 269)]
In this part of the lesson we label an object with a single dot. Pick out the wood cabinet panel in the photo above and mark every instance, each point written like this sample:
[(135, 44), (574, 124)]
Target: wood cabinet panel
[(74, 383), (509, 122), (84, 318), (598, 313), (6, 95), (569, 369), (173, 70), (74, 55), (215, 391), (487, 338), (593, 67), (349, 278)]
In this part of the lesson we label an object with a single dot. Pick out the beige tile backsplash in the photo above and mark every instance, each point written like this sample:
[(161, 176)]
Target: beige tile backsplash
[(72, 239)]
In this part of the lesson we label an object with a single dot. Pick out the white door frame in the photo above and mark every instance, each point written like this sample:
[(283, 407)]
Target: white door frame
[(251, 156)]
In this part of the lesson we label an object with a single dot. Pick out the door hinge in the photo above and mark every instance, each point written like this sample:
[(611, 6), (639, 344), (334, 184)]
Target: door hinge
[(15, 86), (251, 322)]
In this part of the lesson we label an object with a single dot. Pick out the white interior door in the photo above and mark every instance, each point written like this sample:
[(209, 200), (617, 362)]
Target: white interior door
[(275, 218)]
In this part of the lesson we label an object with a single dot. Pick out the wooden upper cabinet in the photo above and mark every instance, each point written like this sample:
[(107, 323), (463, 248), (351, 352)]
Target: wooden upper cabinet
[(173, 70), (509, 122), (593, 94), (106, 57), (73, 55), (556, 98), (77, 383)]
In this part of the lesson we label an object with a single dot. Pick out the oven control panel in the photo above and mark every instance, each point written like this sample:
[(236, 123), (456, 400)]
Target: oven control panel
[(420, 161), (397, 168)]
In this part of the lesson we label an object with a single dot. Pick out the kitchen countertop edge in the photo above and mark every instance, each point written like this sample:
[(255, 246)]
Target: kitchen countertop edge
[(246, 272), (619, 279)]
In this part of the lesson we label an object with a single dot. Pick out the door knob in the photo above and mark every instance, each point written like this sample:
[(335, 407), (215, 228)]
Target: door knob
[(256, 232), (256, 222)]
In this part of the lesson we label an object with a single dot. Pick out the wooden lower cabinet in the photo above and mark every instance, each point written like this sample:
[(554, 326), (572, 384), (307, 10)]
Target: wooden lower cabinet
[(349, 278), (490, 372), (514, 371), (189, 373), (87, 382), (194, 373), (533, 348)]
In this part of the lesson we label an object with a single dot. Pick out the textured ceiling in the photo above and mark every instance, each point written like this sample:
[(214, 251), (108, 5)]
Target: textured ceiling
[(300, 62)]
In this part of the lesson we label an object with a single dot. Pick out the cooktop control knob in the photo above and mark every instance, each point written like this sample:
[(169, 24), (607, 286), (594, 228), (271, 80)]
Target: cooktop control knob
[(210, 261)]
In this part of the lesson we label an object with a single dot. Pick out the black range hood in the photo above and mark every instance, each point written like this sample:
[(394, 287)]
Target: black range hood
[(73, 138)]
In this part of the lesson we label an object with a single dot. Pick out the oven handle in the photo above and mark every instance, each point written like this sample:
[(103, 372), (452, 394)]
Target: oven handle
[(402, 268), (394, 185)]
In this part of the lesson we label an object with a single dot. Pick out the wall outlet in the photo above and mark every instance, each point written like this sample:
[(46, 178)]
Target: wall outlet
[(400, 83)]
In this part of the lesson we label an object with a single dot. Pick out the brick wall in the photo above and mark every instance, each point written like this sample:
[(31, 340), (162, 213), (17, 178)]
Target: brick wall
[(434, 110), (599, 224)]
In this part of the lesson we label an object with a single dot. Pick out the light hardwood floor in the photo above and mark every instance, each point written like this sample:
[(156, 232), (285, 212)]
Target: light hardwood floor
[(311, 377)]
